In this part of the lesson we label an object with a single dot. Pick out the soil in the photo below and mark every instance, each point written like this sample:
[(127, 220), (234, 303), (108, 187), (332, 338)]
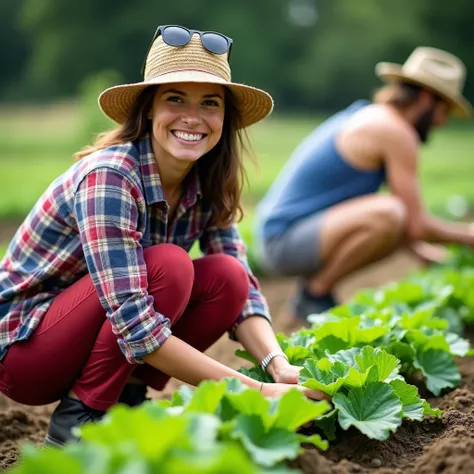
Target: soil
[(444, 446)]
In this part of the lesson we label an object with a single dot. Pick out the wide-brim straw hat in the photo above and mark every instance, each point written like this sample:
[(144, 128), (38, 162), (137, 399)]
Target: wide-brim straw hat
[(438, 71), (190, 63)]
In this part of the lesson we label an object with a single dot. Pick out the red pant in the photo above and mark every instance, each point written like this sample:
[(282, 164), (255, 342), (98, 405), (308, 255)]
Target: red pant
[(74, 346)]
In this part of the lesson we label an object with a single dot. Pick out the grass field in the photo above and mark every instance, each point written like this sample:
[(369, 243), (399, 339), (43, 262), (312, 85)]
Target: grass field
[(36, 145)]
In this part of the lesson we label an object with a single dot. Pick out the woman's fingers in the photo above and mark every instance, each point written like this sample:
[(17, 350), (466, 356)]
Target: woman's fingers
[(315, 394)]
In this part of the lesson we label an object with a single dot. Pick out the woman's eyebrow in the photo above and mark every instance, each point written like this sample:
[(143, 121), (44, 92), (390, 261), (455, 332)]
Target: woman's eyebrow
[(205, 96), (211, 96), (174, 91)]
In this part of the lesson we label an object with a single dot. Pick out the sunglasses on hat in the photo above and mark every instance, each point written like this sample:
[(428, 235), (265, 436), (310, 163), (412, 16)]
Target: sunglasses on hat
[(175, 35)]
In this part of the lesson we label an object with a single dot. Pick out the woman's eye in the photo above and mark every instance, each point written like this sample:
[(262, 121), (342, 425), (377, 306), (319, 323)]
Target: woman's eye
[(211, 102), (174, 98)]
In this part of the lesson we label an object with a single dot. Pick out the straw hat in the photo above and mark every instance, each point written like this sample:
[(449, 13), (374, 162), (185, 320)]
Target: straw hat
[(437, 70), (189, 63)]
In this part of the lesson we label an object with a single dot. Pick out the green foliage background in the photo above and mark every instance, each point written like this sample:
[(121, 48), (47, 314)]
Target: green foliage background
[(310, 54)]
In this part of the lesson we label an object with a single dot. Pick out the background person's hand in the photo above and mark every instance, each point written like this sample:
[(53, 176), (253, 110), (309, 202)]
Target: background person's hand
[(428, 253)]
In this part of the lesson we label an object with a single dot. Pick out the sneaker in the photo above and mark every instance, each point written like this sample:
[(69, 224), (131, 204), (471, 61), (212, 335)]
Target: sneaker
[(133, 394), (305, 304), (70, 412)]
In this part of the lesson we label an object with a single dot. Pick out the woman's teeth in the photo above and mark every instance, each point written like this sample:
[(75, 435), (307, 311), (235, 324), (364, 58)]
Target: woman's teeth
[(189, 137)]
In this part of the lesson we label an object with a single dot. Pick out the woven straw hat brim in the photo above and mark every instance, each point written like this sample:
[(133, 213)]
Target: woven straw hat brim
[(254, 104), (390, 72)]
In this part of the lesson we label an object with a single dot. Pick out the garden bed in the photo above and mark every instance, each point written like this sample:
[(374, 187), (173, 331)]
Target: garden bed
[(430, 447)]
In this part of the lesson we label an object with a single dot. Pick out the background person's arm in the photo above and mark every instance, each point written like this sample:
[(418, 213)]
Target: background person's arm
[(401, 166)]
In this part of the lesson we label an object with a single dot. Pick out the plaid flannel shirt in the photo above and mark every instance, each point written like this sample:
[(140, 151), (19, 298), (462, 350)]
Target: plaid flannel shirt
[(97, 218)]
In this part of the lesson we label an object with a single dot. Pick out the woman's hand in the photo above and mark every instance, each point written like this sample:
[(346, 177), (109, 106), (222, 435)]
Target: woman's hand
[(279, 389), (287, 373), (286, 377)]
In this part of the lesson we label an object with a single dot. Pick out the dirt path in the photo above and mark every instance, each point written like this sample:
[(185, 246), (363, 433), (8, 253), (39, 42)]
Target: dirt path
[(432, 447)]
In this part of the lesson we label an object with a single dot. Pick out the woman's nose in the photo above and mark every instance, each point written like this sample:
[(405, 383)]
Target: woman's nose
[(191, 116)]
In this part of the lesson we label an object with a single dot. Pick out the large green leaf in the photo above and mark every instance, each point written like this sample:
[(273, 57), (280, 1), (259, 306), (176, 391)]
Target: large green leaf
[(439, 369), (402, 292), (207, 397), (234, 385), (123, 426), (320, 319), (182, 396), (49, 461), (304, 338), (266, 447), (251, 402), (348, 330), (375, 410), (225, 459), (402, 351), (296, 354), (316, 379), (347, 357), (387, 364), (423, 316), (355, 378), (327, 423), (297, 347), (257, 373), (203, 429), (453, 317), (329, 345), (423, 342), (408, 395), (295, 409), (352, 376), (457, 345)]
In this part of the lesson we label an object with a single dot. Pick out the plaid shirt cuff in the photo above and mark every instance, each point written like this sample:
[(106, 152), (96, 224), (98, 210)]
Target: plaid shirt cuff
[(256, 306), (134, 351)]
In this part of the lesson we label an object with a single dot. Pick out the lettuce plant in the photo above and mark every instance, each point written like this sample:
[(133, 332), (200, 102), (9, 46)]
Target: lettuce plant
[(368, 391), (221, 427)]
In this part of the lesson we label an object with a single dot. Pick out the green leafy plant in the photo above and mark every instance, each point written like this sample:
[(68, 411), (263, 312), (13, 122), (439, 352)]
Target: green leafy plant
[(367, 389), (220, 428), (265, 428)]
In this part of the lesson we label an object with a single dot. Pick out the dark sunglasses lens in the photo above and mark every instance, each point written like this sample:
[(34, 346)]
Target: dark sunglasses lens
[(216, 44), (175, 36)]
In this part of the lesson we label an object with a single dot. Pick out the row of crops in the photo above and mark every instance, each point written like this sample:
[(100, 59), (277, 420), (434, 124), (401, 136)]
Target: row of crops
[(373, 355)]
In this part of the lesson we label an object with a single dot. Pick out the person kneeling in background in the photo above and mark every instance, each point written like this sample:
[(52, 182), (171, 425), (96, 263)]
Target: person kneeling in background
[(322, 218)]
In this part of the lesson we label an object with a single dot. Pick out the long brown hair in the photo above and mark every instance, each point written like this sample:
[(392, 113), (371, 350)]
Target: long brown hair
[(400, 94), (221, 170)]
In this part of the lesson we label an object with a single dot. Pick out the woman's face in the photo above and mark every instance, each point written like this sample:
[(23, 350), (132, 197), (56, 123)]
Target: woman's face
[(187, 120)]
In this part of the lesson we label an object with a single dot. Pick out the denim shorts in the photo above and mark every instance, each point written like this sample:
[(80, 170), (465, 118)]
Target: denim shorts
[(296, 252)]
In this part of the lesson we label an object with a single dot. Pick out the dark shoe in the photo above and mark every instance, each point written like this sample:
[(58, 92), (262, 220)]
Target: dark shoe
[(305, 304), (70, 412), (133, 394)]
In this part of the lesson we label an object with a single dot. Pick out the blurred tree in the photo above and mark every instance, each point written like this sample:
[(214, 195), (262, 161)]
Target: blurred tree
[(308, 53), (15, 46), (450, 27)]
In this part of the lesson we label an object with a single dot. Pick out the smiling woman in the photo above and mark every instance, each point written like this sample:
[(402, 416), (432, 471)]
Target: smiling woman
[(187, 121), (99, 297)]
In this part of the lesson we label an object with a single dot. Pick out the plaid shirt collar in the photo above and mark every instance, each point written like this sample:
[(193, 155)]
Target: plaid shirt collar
[(152, 181)]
